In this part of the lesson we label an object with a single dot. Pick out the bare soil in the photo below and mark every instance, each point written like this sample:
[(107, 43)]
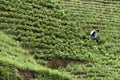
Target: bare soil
[(27, 75), (55, 63)]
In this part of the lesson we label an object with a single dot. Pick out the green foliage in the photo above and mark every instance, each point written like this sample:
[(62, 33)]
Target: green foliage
[(60, 28), (12, 57), (48, 76), (8, 73)]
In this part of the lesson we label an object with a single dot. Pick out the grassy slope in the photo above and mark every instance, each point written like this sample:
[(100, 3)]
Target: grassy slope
[(102, 15), (42, 27), (60, 28), (11, 54)]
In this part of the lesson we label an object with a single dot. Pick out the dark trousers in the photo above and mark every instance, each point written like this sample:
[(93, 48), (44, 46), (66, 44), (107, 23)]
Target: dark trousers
[(96, 40)]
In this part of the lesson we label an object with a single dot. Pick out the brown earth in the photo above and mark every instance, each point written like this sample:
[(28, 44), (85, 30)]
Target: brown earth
[(27, 75), (59, 62)]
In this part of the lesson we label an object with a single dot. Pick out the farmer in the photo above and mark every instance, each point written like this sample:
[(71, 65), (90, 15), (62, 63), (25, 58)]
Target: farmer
[(93, 35)]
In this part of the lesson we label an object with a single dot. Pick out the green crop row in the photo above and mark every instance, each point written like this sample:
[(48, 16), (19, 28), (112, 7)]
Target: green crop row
[(22, 36), (61, 28), (13, 57)]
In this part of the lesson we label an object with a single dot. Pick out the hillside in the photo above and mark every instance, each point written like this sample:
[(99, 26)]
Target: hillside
[(55, 34), (16, 64)]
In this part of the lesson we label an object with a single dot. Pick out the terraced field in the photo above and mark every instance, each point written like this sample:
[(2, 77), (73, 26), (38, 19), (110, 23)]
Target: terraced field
[(56, 34)]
